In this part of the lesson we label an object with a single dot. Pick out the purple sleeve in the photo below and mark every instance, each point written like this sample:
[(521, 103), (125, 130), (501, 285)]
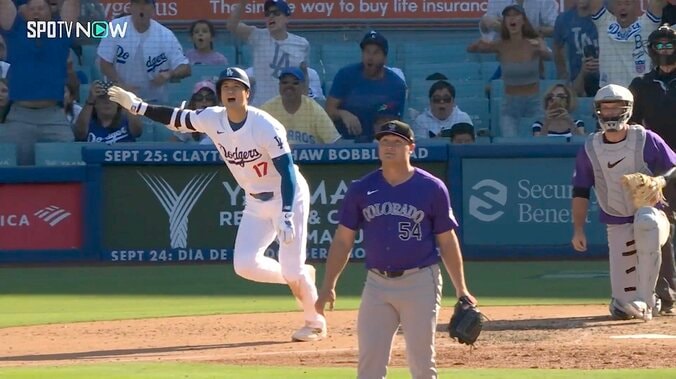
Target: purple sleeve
[(350, 215), (583, 176), (443, 218), (657, 154)]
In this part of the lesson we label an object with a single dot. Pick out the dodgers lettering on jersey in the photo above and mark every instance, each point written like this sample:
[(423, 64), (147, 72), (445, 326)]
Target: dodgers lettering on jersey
[(248, 152), (400, 223)]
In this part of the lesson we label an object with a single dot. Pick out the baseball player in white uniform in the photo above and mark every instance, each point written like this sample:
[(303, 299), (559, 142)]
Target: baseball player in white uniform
[(254, 147), (147, 58), (273, 48)]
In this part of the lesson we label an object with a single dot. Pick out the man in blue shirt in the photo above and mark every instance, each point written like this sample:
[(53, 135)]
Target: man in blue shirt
[(37, 77), (359, 90), (576, 44)]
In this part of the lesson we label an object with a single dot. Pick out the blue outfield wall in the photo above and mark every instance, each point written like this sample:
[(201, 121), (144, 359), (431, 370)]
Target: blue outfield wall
[(176, 203)]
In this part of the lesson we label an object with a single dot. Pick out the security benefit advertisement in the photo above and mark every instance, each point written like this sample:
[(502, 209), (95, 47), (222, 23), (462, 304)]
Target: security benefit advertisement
[(192, 213), (40, 216), (521, 202)]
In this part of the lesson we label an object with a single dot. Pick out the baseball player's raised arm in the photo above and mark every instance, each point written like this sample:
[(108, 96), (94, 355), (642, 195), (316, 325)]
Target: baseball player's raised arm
[(235, 26), (595, 6), (180, 119), (7, 14)]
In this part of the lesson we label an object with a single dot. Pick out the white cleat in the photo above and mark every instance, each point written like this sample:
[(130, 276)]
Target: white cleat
[(640, 310), (309, 334)]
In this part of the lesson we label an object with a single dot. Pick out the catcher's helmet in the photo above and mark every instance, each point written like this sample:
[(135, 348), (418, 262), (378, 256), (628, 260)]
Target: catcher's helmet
[(664, 32), (614, 93)]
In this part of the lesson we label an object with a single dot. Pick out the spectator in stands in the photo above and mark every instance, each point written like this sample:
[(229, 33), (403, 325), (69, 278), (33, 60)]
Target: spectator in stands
[(655, 92), (441, 114), (559, 104), (274, 48), (147, 58), (576, 45), (202, 33), (669, 13), (305, 120), (314, 88), (3, 49), (102, 120), (622, 36), (203, 96), (4, 99), (36, 79), (359, 90), (541, 13), (70, 105), (461, 133), (519, 51)]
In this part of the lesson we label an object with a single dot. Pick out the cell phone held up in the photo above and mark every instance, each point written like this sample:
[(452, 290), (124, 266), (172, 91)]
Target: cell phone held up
[(591, 51)]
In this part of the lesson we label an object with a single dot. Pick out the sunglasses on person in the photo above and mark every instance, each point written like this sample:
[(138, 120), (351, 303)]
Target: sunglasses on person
[(561, 96), (201, 97), (664, 46), (273, 13), (442, 100)]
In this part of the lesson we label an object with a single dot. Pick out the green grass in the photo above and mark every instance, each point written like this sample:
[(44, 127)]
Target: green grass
[(66, 294), (204, 371)]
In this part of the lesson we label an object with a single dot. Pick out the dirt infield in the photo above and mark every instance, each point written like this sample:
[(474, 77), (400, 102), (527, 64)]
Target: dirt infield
[(519, 337)]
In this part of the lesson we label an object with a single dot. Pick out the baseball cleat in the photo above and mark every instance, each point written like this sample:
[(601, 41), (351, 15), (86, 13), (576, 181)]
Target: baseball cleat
[(309, 334), (640, 310), (667, 311)]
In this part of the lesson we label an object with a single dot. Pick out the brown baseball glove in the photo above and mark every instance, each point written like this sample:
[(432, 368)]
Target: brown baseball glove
[(646, 191)]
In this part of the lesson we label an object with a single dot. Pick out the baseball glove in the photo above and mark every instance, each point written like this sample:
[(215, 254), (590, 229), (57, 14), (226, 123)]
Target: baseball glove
[(646, 191), (466, 322)]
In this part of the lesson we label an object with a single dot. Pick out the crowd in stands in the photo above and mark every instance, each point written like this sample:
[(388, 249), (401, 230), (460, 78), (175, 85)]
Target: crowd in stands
[(539, 67)]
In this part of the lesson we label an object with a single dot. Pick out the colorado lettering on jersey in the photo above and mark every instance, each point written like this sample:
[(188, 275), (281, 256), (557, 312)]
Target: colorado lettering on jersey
[(121, 56), (393, 209), (154, 62), (239, 158)]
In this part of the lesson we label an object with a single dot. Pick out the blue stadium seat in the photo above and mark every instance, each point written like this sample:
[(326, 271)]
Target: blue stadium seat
[(420, 52), (339, 54), (59, 153), (488, 68), (7, 154), (585, 107), (84, 93), (469, 88), (530, 140), (497, 88), (455, 72), (204, 72), (477, 108)]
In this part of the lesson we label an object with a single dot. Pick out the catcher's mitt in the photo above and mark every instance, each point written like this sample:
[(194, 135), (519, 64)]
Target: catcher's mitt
[(646, 191), (466, 322)]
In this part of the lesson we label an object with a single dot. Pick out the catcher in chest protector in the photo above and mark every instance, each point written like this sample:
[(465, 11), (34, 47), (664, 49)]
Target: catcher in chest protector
[(622, 162)]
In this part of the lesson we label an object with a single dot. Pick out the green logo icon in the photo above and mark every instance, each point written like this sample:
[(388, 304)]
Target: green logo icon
[(99, 29)]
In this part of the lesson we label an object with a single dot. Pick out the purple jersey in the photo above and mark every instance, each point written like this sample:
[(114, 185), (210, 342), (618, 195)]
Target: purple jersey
[(657, 155), (399, 223)]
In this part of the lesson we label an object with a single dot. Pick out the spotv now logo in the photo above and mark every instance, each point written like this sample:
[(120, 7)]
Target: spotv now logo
[(69, 29)]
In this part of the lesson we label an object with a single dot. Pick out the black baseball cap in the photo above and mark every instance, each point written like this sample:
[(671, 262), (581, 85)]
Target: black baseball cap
[(513, 7), (397, 128), (375, 38), (459, 128)]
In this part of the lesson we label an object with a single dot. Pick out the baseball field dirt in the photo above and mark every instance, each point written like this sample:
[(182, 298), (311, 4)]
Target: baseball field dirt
[(569, 336)]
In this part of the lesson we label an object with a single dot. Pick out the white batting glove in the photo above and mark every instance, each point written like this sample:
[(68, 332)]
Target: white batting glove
[(286, 231), (128, 100)]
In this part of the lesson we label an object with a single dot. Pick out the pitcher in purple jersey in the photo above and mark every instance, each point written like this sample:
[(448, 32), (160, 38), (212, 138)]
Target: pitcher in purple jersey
[(405, 214), (635, 235)]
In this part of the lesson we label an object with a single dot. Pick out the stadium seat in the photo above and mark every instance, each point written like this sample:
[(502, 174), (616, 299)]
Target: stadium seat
[(59, 153), (488, 68), (455, 72), (7, 154), (477, 108), (530, 140), (420, 52), (204, 72), (497, 88), (585, 107)]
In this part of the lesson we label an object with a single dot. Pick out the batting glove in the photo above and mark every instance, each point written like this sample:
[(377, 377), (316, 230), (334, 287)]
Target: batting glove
[(128, 100), (286, 231)]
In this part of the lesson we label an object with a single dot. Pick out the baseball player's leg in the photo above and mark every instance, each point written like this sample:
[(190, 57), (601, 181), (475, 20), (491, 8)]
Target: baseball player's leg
[(666, 288), (377, 322), (651, 231), (623, 278), (418, 310), (298, 275), (254, 235)]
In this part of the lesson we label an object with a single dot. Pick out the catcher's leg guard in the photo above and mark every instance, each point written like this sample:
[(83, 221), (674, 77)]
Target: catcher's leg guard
[(651, 230)]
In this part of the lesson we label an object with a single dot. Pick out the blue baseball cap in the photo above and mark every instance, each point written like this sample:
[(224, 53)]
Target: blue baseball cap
[(280, 4), (374, 38), (293, 71), (514, 7)]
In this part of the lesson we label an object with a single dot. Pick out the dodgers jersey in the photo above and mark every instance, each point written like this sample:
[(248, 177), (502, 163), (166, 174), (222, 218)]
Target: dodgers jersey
[(270, 57), (601, 164), (399, 223), (622, 55), (248, 151)]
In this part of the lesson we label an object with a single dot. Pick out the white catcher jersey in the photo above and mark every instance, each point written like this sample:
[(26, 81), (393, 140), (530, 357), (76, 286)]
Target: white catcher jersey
[(248, 152), (610, 162), (270, 57)]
